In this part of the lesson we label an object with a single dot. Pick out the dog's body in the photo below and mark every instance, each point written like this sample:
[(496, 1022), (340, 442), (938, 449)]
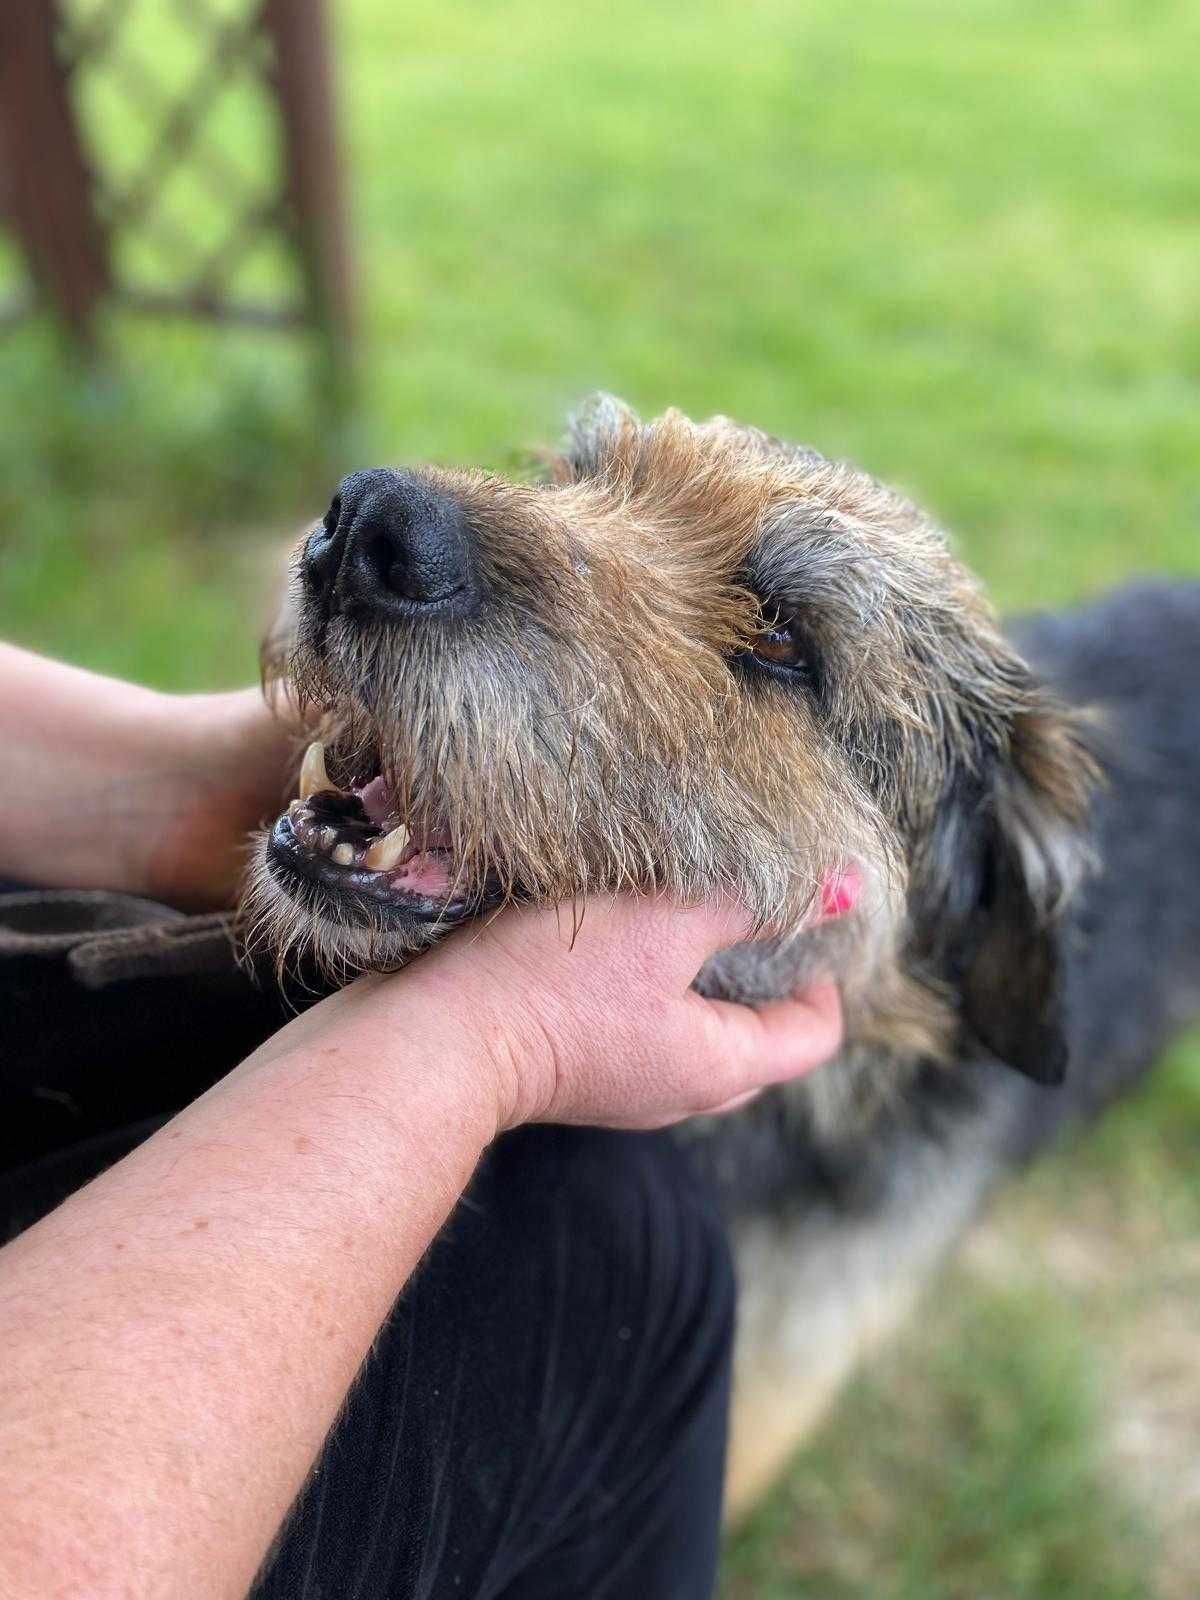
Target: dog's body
[(836, 1235), (702, 660)]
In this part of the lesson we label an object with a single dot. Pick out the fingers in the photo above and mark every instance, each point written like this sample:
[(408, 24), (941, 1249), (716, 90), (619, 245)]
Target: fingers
[(593, 1018), (780, 1042)]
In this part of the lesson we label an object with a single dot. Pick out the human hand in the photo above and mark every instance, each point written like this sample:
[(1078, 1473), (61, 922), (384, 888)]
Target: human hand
[(224, 764), (109, 785), (601, 1028)]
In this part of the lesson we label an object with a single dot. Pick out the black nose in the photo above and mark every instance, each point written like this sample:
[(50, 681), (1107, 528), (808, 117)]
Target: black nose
[(391, 546)]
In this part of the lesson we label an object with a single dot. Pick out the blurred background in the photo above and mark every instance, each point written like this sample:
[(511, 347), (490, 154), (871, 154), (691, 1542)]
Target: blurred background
[(957, 240)]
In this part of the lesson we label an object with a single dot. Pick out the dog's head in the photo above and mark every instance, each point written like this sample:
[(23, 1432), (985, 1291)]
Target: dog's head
[(693, 659)]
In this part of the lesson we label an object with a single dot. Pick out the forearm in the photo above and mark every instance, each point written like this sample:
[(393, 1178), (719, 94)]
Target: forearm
[(179, 1336), (109, 785), (76, 750)]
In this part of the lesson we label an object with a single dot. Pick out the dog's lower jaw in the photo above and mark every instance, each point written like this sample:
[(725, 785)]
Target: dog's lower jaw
[(288, 930), (305, 929)]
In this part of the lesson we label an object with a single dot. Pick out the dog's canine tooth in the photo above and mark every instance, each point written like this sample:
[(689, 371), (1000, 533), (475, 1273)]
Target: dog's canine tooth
[(385, 852), (313, 776), (326, 838), (343, 854)]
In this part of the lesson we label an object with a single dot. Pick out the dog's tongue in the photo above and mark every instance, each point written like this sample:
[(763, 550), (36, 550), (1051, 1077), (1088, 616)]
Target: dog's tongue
[(378, 801), (427, 872), (425, 867)]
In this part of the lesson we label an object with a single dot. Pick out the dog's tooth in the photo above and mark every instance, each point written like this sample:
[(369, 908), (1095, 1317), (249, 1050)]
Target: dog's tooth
[(385, 852), (313, 776), (343, 854), (326, 838)]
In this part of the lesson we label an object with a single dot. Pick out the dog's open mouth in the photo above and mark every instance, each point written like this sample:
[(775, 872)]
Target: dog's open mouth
[(363, 860)]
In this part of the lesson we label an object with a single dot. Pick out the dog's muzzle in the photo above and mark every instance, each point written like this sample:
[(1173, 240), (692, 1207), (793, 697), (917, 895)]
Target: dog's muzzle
[(349, 855), (392, 552)]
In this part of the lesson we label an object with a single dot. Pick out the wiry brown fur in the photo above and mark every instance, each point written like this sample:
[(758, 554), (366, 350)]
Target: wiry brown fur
[(596, 727)]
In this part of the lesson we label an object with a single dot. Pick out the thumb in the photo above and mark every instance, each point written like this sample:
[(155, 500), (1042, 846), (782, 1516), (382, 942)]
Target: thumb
[(783, 1040)]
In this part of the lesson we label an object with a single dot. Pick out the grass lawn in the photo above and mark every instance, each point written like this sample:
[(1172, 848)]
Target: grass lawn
[(955, 239)]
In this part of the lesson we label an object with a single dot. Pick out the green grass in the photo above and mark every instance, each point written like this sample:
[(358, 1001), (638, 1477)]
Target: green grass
[(952, 238), (1033, 1434), (955, 239), (964, 1468)]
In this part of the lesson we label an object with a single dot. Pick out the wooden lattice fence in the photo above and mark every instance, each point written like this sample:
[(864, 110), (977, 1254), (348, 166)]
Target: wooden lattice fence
[(99, 224)]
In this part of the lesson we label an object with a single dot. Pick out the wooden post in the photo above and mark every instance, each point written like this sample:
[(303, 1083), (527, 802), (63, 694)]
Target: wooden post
[(49, 190), (304, 90)]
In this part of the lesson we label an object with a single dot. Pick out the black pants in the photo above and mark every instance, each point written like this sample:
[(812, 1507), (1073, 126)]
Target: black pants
[(543, 1415)]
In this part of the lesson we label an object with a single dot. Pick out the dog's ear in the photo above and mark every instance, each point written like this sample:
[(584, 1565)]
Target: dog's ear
[(1006, 850), (602, 431)]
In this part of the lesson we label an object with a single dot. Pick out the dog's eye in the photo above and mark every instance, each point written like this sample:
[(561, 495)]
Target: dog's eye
[(779, 647), (783, 649)]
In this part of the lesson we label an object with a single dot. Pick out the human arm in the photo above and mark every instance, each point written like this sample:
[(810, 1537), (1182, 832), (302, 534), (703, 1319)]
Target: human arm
[(180, 1335), (110, 785)]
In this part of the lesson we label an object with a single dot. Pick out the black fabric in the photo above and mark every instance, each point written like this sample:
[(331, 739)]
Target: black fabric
[(114, 1010), (544, 1414)]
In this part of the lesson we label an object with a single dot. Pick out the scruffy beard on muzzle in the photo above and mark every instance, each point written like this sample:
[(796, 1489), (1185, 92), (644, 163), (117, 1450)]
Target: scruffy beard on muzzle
[(545, 784), (299, 935)]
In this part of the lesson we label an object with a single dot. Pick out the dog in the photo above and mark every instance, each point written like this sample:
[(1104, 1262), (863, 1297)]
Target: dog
[(697, 659)]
